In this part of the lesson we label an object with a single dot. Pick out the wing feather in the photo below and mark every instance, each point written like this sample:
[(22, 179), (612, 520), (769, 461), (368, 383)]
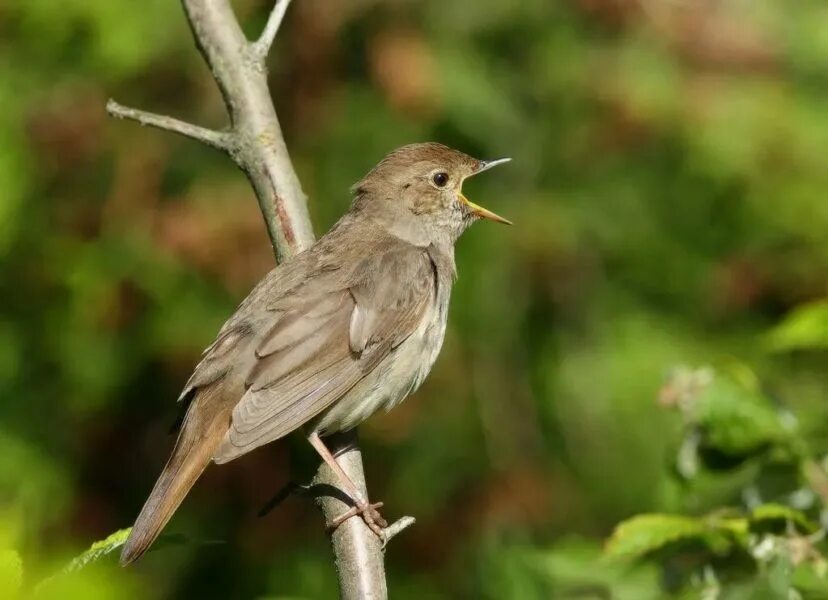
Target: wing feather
[(322, 345)]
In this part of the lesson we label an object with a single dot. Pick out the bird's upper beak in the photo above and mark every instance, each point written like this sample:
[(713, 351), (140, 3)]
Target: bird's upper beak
[(485, 165)]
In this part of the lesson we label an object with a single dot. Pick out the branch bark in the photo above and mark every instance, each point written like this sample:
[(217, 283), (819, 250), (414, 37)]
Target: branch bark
[(216, 139), (259, 147), (254, 141), (265, 41)]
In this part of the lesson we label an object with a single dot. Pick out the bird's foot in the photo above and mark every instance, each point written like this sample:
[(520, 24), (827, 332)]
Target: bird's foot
[(369, 513)]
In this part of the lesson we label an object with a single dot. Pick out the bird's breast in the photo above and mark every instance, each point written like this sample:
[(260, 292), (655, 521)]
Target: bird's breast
[(396, 377)]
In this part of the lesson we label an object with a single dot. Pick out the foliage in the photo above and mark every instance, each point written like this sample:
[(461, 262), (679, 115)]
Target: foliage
[(806, 327), (646, 533), (780, 537), (98, 550)]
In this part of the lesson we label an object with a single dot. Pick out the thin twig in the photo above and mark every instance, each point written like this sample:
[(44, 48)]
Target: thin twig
[(262, 46), (217, 139), (395, 528)]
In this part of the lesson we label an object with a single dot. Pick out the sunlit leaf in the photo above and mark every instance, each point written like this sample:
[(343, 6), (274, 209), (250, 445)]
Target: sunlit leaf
[(98, 550), (736, 420), (647, 533), (804, 328), (780, 512)]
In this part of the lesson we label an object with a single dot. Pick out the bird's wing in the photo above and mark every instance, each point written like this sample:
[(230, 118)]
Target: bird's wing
[(327, 335)]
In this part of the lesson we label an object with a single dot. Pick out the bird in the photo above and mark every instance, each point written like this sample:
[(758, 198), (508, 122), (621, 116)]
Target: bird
[(348, 327)]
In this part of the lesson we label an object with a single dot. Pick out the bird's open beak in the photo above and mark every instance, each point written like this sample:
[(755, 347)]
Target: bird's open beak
[(479, 211), (482, 212)]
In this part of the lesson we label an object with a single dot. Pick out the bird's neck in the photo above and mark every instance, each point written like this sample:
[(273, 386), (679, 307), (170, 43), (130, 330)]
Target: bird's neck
[(443, 258), (423, 234)]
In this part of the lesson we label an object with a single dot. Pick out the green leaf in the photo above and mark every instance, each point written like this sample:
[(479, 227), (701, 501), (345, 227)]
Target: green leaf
[(780, 512), (11, 573), (646, 533), (76, 578), (569, 567), (107, 546), (804, 328), (809, 578), (736, 420), (98, 550)]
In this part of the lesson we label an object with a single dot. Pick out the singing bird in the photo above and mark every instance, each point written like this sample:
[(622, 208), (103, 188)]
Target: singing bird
[(348, 327)]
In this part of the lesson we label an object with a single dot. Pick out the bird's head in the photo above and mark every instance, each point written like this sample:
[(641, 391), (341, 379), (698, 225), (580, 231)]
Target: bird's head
[(416, 192)]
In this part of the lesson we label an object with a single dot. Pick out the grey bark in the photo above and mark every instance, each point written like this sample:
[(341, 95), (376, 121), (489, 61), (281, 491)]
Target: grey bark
[(254, 141)]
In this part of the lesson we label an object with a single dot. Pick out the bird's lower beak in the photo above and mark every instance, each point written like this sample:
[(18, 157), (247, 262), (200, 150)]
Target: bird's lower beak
[(479, 211)]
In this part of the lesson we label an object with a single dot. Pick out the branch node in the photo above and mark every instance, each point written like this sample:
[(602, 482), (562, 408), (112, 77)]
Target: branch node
[(261, 47), (216, 139)]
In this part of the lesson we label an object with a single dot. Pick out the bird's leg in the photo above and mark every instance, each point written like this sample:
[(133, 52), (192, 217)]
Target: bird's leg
[(362, 507)]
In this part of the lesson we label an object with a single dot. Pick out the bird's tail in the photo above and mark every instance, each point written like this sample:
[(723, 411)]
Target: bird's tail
[(201, 433)]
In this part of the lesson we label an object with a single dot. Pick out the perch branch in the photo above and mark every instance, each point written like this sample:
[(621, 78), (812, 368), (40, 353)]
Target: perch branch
[(254, 141)]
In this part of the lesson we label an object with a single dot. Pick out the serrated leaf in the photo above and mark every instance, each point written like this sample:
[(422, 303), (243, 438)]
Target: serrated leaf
[(11, 573), (780, 512), (98, 550), (47, 587), (647, 533), (805, 327)]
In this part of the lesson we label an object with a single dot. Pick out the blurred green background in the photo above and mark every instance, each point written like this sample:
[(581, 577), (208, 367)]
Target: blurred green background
[(668, 189)]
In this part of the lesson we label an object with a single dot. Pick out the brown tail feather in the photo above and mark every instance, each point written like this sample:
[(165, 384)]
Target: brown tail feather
[(201, 433)]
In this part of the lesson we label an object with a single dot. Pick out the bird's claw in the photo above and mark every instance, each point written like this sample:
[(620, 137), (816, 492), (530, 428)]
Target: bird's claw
[(369, 513)]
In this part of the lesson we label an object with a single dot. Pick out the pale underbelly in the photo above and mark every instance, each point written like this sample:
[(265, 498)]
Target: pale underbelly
[(394, 379)]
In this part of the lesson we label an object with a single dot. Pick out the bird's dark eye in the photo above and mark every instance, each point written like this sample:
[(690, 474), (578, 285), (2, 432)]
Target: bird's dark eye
[(440, 179)]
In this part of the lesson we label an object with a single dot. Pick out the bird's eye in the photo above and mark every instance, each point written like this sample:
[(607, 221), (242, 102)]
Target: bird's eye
[(440, 179)]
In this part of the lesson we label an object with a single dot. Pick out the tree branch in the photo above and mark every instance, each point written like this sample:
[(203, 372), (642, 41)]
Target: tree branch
[(254, 141), (216, 139), (260, 148), (274, 21)]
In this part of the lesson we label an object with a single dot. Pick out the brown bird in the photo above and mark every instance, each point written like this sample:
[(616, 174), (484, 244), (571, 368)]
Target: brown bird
[(326, 339)]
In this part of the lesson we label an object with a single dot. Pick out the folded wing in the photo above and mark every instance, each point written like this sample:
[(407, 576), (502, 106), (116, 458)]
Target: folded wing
[(324, 338)]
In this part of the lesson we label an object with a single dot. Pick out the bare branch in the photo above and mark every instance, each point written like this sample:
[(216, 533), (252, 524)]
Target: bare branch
[(260, 147), (216, 139), (274, 21)]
